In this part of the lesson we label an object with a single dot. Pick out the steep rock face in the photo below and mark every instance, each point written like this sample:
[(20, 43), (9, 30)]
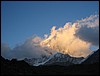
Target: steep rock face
[(94, 58)]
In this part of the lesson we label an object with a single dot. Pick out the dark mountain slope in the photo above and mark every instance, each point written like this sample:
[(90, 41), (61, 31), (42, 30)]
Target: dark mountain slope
[(15, 67), (94, 58)]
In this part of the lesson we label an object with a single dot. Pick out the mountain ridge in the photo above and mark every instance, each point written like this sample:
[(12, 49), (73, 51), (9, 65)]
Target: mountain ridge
[(56, 58), (15, 67)]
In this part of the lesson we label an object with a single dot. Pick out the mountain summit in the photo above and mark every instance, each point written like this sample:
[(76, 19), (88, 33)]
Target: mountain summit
[(55, 59)]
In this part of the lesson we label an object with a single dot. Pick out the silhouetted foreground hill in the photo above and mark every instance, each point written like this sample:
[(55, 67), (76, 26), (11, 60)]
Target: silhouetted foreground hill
[(15, 67), (94, 58)]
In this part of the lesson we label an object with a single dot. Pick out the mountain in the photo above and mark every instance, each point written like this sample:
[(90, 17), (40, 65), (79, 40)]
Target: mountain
[(55, 59), (93, 58), (63, 59), (36, 61), (53, 65), (15, 67)]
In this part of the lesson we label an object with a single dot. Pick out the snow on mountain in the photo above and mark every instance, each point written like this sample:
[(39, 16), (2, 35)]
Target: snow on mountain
[(57, 58), (36, 61), (63, 59)]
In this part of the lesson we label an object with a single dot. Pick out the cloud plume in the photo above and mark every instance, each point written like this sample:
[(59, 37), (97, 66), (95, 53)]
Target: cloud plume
[(74, 38)]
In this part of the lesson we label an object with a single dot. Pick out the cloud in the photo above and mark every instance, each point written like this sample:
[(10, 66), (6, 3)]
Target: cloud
[(89, 30), (76, 38), (29, 49), (45, 36), (5, 49)]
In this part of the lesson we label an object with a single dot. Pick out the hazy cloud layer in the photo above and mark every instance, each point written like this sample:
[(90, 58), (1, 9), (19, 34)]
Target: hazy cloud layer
[(29, 49), (5, 49)]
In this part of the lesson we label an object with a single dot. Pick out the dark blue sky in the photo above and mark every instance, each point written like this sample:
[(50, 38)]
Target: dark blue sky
[(20, 20)]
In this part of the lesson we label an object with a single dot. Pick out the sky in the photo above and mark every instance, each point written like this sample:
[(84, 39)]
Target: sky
[(21, 20)]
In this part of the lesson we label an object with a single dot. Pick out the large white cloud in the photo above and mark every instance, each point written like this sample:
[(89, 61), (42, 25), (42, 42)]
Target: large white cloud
[(75, 38)]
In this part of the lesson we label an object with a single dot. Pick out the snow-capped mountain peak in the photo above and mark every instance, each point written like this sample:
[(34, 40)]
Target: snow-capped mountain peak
[(63, 58), (56, 58)]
